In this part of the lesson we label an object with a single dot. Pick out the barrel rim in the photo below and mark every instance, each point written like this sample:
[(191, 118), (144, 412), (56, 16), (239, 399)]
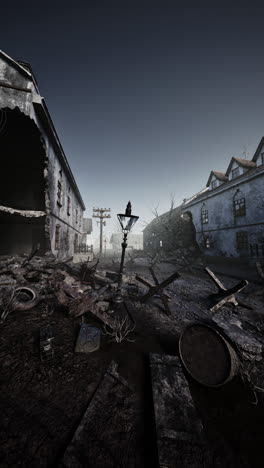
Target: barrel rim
[(227, 345)]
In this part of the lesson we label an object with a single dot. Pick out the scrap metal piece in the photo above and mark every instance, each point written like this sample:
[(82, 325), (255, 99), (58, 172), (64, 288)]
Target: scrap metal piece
[(88, 272), (88, 340), (226, 295), (27, 260), (46, 345)]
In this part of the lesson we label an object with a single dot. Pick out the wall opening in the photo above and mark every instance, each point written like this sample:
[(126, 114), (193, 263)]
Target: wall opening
[(22, 185)]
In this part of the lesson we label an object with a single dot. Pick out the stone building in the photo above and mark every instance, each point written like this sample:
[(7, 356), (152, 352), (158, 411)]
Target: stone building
[(40, 204), (170, 231), (228, 214)]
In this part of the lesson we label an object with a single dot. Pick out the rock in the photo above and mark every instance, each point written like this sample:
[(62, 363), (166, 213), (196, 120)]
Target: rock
[(103, 305)]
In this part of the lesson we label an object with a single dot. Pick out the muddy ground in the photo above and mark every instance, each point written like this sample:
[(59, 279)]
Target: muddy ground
[(41, 404)]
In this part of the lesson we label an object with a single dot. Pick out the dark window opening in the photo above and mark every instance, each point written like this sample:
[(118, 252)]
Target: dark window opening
[(240, 207), (254, 250), (242, 240), (59, 194), (57, 237), (204, 216), (214, 184), (207, 243), (235, 172), (68, 205)]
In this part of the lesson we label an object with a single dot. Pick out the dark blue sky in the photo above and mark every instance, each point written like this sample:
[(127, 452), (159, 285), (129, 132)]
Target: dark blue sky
[(146, 100)]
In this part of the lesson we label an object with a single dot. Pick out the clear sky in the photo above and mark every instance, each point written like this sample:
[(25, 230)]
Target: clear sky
[(147, 100)]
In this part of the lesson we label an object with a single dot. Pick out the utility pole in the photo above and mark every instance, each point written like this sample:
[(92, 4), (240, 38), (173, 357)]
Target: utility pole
[(101, 214)]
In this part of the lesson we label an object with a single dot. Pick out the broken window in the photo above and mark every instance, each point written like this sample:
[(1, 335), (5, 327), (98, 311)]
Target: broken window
[(242, 240), (240, 207), (68, 205), (59, 193), (76, 215), (235, 172), (57, 237), (204, 216), (214, 184)]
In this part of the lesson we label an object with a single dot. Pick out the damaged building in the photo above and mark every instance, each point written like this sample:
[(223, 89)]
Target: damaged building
[(170, 231), (228, 214), (40, 203)]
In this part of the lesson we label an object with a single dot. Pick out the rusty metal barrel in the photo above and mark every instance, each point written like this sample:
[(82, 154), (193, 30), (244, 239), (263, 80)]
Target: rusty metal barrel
[(207, 356)]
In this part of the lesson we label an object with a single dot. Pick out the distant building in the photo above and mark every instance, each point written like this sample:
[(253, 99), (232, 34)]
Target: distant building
[(87, 230), (134, 241), (40, 203), (169, 231), (228, 214)]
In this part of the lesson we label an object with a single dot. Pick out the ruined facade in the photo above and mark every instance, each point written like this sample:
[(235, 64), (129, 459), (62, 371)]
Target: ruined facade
[(40, 204), (228, 214)]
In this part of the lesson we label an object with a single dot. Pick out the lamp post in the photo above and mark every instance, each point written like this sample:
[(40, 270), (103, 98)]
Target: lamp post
[(127, 221)]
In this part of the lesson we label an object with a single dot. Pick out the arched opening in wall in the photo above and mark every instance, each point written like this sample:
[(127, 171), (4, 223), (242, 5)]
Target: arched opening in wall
[(189, 231), (22, 184)]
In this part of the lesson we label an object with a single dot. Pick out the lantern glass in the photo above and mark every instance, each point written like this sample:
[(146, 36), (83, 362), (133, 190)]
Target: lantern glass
[(127, 222)]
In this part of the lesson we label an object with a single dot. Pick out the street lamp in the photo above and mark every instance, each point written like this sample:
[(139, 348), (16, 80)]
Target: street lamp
[(127, 221)]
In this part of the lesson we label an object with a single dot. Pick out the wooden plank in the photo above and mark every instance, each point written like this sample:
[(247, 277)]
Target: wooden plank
[(107, 436), (179, 430)]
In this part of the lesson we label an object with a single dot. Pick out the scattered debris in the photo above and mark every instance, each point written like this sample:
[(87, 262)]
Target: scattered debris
[(35, 251), (45, 343)]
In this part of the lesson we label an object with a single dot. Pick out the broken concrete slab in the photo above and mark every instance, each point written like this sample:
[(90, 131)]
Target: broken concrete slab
[(180, 438), (107, 433)]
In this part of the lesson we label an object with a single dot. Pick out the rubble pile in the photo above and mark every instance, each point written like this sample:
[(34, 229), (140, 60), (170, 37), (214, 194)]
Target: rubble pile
[(79, 288)]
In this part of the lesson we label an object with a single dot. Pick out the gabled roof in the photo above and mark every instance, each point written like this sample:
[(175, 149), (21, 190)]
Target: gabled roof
[(218, 175), (258, 150), (242, 163)]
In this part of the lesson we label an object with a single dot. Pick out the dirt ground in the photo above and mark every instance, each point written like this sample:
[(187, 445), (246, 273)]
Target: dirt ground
[(41, 404)]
